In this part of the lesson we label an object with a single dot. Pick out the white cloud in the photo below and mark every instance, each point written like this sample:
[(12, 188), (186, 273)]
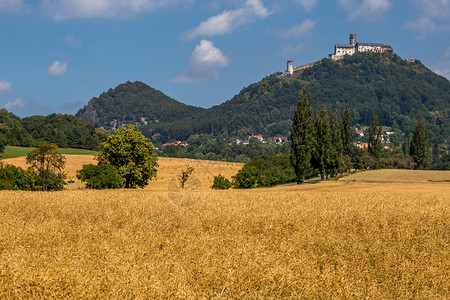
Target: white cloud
[(73, 41), (298, 30), (12, 5), (204, 64), (16, 104), (434, 17), (229, 20), (57, 68), (5, 86), (292, 50), (366, 9), (307, 4), (442, 67), (69, 9)]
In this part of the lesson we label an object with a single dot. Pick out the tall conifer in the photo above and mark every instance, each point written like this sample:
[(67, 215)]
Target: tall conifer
[(335, 162), (322, 149), (420, 145), (301, 137)]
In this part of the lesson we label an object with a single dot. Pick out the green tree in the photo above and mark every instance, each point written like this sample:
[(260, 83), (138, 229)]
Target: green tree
[(16, 178), (221, 183), (322, 148), (49, 164), (100, 177), (301, 137), (2, 146), (335, 161), (420, 146), (185, 174), (132, 154), (346, 132), (375, 134)]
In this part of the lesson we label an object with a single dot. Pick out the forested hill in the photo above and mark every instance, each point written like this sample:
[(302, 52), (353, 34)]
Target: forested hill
[(65, 130), (399, 91), (133, 103)]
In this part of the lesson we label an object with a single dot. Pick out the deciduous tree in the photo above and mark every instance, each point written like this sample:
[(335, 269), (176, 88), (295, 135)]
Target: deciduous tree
[(49, 164), (132, 154)]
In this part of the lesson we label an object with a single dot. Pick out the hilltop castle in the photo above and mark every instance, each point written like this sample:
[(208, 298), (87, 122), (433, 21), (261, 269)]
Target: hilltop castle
[(340, 50), (349, 49)]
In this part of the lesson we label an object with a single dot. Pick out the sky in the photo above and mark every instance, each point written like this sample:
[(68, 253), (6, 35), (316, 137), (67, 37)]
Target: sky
[(56, 55)]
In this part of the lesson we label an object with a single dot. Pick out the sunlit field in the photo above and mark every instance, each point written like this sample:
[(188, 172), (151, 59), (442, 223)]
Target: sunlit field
[(399, 176), (168, 174), (336, 239)]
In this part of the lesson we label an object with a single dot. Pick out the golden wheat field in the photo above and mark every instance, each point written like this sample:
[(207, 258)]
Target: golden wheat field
[(356, 239), (169, 170)]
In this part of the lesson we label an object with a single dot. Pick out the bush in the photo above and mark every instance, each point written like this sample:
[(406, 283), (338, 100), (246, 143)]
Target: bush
[(221, 183), (16, 178), (265, 171), (100, 177)]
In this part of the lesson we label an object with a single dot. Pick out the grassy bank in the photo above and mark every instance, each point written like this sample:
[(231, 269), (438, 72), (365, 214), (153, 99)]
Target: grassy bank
[(13, 151)]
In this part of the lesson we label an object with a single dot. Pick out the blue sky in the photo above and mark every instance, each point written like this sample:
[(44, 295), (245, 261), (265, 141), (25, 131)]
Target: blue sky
[(55, 55)]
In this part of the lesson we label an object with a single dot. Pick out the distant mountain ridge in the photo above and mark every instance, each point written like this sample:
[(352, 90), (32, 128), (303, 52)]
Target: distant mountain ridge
[(400, 92), (133, 103)]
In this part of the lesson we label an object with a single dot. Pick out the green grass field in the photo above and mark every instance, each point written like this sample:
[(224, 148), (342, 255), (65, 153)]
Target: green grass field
[(12, 151)]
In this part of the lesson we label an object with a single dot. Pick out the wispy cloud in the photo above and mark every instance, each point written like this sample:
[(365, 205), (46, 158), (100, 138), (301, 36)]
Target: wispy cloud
[(434, 17), (73, 41), (25, 108), (69, 9), (229, 20), (442, 67), (13, 6), (292, 50), (298, 30), (371, 10), (204, 64), (308, 5), (5, 86), (18, 103), (57, 68)]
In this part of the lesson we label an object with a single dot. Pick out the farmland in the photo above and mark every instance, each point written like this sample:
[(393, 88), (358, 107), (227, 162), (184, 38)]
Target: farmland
[(355, 238)]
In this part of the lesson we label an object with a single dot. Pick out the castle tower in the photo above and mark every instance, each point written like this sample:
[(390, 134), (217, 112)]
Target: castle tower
[(290, 67), (353, 39)]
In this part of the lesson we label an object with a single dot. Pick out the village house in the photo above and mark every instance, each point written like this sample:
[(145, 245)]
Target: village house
[(280, 139)]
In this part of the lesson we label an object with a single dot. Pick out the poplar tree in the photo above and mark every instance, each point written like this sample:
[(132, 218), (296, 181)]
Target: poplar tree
[(322, 149), (346, 132), (301, 137), (335, 162), (375, 130), (420, 146)]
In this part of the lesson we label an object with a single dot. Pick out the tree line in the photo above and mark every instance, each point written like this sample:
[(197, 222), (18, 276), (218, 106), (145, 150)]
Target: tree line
[(66, 131), (126, 159)]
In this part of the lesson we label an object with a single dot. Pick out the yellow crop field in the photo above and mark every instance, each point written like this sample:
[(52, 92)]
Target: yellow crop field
[(168, 174), (399, 176), (337, 239)]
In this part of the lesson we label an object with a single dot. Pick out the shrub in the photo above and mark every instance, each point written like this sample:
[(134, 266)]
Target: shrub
[(221, 183), (16, 178), (265, 171), (100, 177), (185, 174)]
